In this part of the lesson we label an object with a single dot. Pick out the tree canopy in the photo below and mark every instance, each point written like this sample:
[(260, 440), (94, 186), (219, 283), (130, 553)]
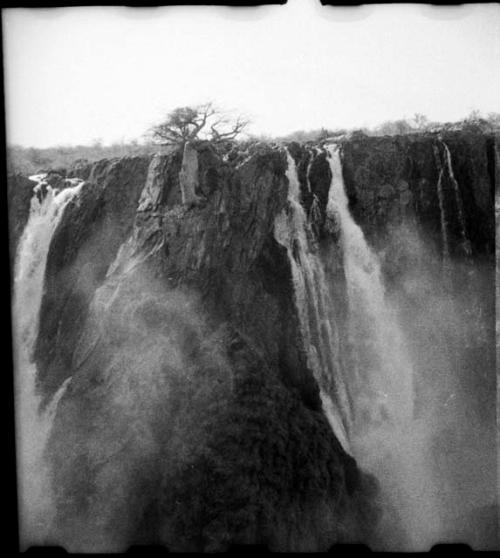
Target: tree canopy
[(205, 121)]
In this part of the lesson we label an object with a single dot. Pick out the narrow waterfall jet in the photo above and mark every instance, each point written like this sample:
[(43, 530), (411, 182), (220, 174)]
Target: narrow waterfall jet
[(442, 209), (458, 200)]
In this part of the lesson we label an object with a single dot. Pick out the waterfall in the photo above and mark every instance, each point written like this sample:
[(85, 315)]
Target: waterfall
[(32, 426), (447, 170), (315, 308), (458, 200), (386, 439), (314, 211), (370, 405), (309, 164), (442, 209), (385, 389)]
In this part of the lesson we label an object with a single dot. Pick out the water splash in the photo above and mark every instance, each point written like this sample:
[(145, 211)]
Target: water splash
[(33, 426), (314, 305)]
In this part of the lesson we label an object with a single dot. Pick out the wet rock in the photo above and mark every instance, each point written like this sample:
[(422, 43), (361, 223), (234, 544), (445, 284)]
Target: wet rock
[(377, 164), (169, 302), (56, 179), (84, 245), (81, 168)]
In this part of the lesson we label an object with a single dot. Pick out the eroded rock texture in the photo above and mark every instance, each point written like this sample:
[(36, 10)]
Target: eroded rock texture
[(192, 419), (85, 244)]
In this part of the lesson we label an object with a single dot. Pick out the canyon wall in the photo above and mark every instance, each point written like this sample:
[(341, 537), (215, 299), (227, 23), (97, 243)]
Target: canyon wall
[(192, 418)]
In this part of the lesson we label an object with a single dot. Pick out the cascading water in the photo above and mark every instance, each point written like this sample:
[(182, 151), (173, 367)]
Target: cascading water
[(458, 200), (32, 426), (446, 171), (309, 164), (387, 384), (370, 407), (368, 399), (315, 308), (314, 211), (442, 210), (385, 438)]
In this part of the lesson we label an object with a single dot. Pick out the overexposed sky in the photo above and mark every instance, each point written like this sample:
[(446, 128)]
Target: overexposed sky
[(75, 75)]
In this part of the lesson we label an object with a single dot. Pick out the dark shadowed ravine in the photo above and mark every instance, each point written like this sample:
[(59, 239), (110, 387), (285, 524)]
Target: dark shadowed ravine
[(291, 346)]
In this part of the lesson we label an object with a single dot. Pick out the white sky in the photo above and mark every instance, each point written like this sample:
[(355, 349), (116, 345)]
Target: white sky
[(73, 75)]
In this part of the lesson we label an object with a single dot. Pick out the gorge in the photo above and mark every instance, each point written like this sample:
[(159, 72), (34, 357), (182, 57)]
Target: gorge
[(289, 345)]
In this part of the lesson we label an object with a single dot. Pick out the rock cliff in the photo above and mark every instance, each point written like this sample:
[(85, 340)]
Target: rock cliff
[(192, 419)]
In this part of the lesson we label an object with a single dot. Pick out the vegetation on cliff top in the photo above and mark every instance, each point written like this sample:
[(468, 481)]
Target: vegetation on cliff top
[(205, 121), (179, 124)]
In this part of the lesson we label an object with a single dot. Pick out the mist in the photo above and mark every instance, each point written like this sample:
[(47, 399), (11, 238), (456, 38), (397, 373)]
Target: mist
[(438, 474), (273, 364), (134, 413)]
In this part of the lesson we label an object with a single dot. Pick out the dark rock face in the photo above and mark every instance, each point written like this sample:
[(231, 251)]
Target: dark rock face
[(84, 245), (390, 180), (222, 443), (81, 168), (211, 450), (192, 419), (392, 188)]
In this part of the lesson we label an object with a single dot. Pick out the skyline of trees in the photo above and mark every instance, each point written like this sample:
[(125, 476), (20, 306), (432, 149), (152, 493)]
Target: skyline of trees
[(28, 160)]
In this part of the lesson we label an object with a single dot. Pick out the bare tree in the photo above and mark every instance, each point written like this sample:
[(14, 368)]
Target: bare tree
[(185, 124), (226, 129)]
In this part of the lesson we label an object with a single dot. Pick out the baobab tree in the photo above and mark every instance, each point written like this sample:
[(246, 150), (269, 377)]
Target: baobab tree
[(183, 126), (186, 124)]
